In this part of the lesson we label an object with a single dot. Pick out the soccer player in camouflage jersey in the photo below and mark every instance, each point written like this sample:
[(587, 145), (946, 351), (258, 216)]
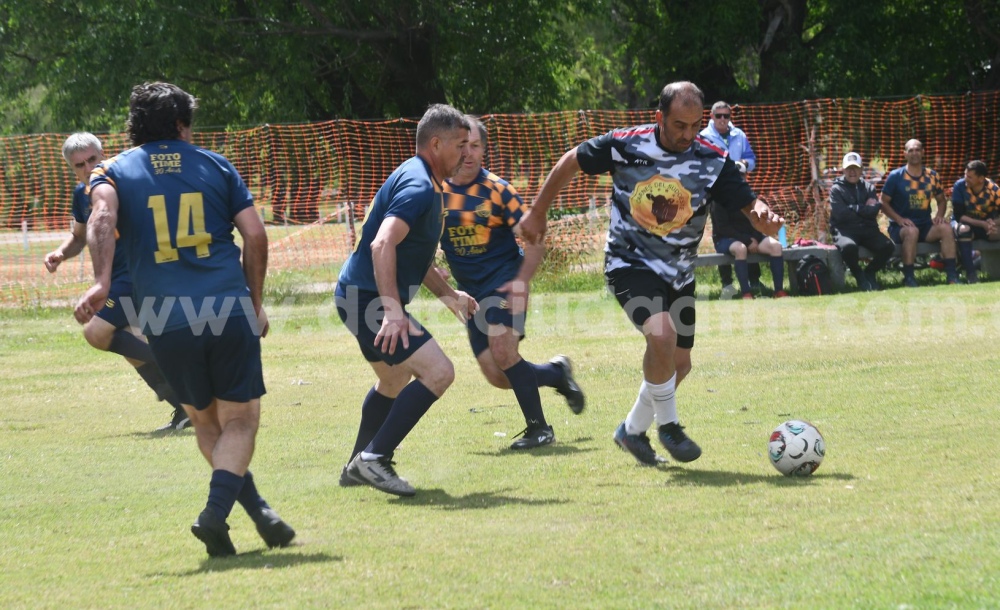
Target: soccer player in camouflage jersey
[(906, 200), (975, 204), (481, 210), (665, 177), (175, 206)]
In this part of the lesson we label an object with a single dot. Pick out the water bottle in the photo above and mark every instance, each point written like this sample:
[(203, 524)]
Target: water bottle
[(783, 237)]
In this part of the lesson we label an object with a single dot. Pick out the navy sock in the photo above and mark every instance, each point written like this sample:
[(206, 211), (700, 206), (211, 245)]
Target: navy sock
[(222, 492), (249, 498), (778, 272), (907, 271), (525, 385), (153, 377), (949, 268), (965, 251), (126, 344), (407, 409), (547, 375), (374, 410), (742, 275)]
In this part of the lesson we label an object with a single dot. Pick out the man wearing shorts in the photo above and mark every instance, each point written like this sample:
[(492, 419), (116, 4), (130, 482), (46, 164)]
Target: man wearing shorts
[(175, 206), (665, 177)]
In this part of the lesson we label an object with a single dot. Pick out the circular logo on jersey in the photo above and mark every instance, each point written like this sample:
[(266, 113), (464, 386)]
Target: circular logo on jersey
[(661, 204), (484, 209)]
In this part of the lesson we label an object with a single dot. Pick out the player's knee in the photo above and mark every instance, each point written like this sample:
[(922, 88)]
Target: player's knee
[(497, 378), (738, 250), (440, 377), (964, 232), (97, 336)]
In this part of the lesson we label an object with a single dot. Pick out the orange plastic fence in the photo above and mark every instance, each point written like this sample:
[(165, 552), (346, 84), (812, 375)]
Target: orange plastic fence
[(309, 180)]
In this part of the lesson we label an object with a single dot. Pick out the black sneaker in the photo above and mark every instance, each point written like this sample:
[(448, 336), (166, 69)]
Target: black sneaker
[(214, 532), (568, 388), (535, 436), (638, 445), (271, 528), (346, 480), (178, 421), (681, 448)]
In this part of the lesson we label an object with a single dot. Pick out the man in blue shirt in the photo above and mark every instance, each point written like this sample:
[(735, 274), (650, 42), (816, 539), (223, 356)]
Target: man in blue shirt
[(393, 256), (906, 200), (481, 211), (975, 205), (175, 206), (109, 330)]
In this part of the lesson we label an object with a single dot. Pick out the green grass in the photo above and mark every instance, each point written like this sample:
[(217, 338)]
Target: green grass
[(903, 513)]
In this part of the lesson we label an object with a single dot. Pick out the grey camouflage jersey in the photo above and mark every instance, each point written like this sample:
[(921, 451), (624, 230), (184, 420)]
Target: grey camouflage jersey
[(660, 198)]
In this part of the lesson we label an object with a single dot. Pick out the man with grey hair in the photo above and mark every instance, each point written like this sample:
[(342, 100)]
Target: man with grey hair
[(665, 178), (394, 254), (109, 330)]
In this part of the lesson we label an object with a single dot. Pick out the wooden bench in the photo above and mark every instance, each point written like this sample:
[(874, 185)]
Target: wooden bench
[(990, 251)]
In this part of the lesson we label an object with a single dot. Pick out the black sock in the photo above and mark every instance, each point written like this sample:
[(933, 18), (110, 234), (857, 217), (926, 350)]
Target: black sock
[(406, 411), (126, 344), (907, 271), (965, 250), (222, 492), (374, 410), (778, 272), (153, 377), (249, 498), (742, 275), (548, 375), (525, 385)]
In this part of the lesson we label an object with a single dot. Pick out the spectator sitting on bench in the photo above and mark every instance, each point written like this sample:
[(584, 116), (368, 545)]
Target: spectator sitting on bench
[(733, 234), (975, 205), (854, 222), (906, 200)]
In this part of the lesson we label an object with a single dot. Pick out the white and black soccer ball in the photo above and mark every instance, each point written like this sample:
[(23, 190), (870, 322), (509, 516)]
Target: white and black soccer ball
[(796, 448)]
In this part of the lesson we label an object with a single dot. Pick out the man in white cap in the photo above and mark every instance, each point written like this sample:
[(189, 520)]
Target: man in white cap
[(854, 209)]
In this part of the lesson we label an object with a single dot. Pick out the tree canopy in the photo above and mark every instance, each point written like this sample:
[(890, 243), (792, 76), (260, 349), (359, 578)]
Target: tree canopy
[(70, 64)]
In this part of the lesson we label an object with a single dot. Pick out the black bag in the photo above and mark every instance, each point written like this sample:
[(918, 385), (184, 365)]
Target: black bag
[(813, 276)]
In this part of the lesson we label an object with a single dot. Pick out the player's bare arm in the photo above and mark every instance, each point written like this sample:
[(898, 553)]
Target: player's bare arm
[(254, 261), (763, 218), (101, 241), (518, 288), (396, 327), (73, 245), (886, 202), (458, 302), (532, 226)]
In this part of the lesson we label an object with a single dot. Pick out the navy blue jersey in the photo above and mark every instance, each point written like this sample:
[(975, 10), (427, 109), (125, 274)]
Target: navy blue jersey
[(911, 196), (176, 208), (119, 267), (982, 205), (411, 194), (478, 238), (661, 198)]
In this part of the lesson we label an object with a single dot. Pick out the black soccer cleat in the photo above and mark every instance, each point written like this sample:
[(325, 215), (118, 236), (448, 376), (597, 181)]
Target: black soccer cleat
[(535, 436), (680, 447), (214, 532), (569, 388), (274, 531)]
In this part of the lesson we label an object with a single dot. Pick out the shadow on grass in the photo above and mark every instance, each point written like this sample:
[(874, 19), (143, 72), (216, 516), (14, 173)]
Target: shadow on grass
[(725, 478), (257, 560), (557, 448), (487, 499)]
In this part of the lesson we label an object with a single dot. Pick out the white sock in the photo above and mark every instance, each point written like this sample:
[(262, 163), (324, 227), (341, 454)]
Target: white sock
[(369, 457), (664, 400), (640, 418)]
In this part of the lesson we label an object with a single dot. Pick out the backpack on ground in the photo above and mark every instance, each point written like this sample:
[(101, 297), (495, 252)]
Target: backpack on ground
[(813, 276)]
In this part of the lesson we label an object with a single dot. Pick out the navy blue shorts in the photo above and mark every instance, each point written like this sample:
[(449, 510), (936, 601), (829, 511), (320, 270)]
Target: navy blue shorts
[(201, 368), (112, 312), (924, 228), (362, 314), (493, 309), (642, 293)]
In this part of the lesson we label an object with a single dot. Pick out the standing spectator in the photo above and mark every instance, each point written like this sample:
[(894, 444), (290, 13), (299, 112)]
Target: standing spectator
[(478, 240), (665, 177), (393, 256), (854, 209), (109, 330), (975, 204), (176, 205), (730, 138), (906, 200)]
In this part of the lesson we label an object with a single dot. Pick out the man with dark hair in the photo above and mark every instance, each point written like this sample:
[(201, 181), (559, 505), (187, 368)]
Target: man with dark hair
[(481, 210), (665, 178), (394, 254), (109, 330), (975, 205), (906, 200), (854, 210), (175, 206)]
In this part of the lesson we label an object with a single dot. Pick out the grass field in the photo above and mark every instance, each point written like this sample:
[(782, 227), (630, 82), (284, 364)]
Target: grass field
[(903, 513)]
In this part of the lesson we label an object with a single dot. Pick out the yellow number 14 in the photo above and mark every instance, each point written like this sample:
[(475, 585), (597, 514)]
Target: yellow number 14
[(190, 227)]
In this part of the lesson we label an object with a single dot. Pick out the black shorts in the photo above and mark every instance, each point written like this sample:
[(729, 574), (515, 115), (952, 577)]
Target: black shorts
[(112, 312), (203, 367), (493, 310), (362, 314), (642, 293)]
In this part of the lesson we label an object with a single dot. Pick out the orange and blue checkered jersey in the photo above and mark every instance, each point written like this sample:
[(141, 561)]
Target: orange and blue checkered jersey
[(412, 194), (478, 238), (176, 205), (912, 195), (982, 205), (120, 282)]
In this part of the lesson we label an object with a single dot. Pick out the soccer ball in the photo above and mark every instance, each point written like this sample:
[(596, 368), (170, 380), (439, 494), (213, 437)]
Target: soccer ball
[(796, 448)]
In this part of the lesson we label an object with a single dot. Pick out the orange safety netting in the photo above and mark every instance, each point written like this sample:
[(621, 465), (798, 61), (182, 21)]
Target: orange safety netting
[(310, 181)]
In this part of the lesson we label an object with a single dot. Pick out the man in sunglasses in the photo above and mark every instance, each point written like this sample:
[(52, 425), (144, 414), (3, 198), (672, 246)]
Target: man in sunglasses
[(732, 139)]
